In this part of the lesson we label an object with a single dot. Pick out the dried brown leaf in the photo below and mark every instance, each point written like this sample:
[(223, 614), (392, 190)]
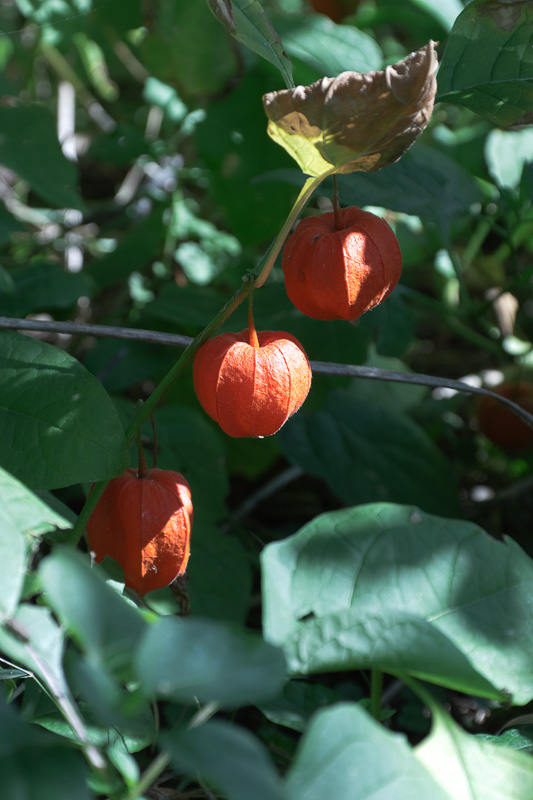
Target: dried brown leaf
[(357, 121)]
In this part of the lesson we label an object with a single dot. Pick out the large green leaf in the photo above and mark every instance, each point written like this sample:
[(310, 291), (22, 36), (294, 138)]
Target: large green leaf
[(199, 658), (20, 511), (227, 757), (487, 64), (328, 48), (105, 626), (345, 754), (384, 584), (58, 425), (367, 452), (469, 768), (29, 146)]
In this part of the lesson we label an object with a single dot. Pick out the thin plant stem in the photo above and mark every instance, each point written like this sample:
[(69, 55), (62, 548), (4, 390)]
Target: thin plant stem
[(142, 470), (252, 333), (307, 190), (376, 691), (146, 410), (150, 774)]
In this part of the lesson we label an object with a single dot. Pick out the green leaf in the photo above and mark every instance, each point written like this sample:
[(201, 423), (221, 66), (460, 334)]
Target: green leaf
[(58, 424), (469, 768), (42, 11), (425, 183), (219, 574), (486, 65), (29, 146), (227, 757), (366, 452), (166, 98), (20, 511), (359, 574), (35, 765), (506, 153), (33, 638), (42, 286), (253, 29), (357, 121), (297, 701), (395, 642), (445, 11), (328, 48), (199, 658), (190, 444), (345, 754), (514, 738), (104, 624)]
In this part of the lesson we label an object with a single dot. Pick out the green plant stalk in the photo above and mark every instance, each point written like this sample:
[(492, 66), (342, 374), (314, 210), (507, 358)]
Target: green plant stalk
[(376, 690), (146, 410), (307, 190), (151, 773)]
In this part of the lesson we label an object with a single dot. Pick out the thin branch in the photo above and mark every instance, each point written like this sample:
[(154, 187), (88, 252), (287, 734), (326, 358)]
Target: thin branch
[(106, 331), (318, 367)]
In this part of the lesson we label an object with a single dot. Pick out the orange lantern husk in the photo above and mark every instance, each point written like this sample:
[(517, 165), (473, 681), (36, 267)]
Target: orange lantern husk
[(144, 523), (249, 390), (339, 273)]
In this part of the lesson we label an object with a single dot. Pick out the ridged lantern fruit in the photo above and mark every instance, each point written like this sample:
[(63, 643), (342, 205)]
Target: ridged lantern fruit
[(144, 523), (251, 389), (339, 273), (500, 424)]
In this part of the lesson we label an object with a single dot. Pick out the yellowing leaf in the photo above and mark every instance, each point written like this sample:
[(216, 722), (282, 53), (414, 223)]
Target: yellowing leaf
[(357, 121)]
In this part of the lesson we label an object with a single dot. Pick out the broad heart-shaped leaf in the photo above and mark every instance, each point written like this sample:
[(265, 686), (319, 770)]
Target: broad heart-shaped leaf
[(29, 146), (247, 21), (360, 574), (20, 511), (487, 64), (228, 758), (57, 424), (201, 658), (366, 453), (345, 754), (357, 121), (469, 768)]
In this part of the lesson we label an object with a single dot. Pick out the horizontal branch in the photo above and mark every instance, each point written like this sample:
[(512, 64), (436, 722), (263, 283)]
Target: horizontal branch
[(318, 367)]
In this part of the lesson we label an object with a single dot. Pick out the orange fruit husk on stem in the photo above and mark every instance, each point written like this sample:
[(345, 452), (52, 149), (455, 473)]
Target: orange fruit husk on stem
[(144, 523), (499, 424), (339, 273), (250, 390)]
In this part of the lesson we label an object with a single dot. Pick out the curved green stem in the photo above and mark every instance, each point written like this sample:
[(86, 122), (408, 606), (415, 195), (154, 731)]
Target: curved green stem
[(146, 410), (307, 190)]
